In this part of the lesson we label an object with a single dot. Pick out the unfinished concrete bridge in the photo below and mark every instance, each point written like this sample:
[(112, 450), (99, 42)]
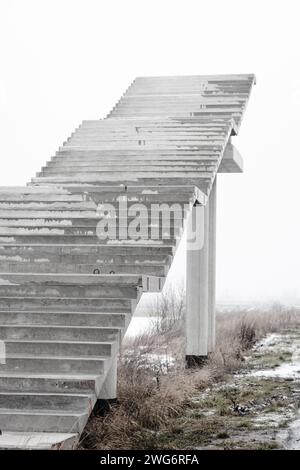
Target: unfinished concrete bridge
[(67, 293)]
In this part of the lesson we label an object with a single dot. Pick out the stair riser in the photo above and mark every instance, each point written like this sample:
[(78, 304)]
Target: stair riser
[(30, 221), (49, 402), (69, 305), (34, 423), (83, 153), (33, 206), (51, 267), (64, 158), (59, 349), (39, 198), (75, 240), (178, 166), (62, 215), (58, 333), (63, 319), (39, 365), (156, 233), (50, 385), (157, 197), (68, 291), (88, 253), (139, 180)]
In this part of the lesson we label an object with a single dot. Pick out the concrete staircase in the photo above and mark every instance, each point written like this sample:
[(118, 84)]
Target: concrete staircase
[(66, 296)]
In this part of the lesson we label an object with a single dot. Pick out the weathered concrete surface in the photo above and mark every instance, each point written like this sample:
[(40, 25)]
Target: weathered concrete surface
[(39, 441)]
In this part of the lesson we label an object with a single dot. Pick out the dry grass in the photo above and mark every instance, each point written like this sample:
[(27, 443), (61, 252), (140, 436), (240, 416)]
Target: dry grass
[(238, 331), (152, 394)]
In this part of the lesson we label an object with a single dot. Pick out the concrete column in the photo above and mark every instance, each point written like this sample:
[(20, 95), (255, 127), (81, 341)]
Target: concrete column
[(212, 268), (197, 287)]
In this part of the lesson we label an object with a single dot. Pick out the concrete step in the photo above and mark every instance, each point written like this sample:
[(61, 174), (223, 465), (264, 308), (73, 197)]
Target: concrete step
[(37, 255), (162, 133), (21, 381), (52, 206), (101, 186), (140, 125), (98, 249), (128, 175), (70, 279), (38, 441), (48, 318), (38, 401), (84, 153), (151, 134), (66, 304), (137, 234), (97, 192), (62, 267), (165, 138), (64, 279), (26, 288), (39, 420), (15, 213), (136, 227), (53, 364), (139, 142), (60, 348), (100, 254), (178, 165), (38, 192), (153, 216), (58, 333), (159, 158), (155, 178), (32, 237)]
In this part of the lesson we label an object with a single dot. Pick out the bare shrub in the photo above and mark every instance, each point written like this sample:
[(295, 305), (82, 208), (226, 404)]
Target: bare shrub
[(247, 335), (169, 312)]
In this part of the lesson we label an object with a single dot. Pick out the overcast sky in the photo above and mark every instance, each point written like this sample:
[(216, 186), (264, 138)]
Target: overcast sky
[(65, 61)]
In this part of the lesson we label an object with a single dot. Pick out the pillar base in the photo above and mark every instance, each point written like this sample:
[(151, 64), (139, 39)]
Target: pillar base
[(193, 361), (103, 406)]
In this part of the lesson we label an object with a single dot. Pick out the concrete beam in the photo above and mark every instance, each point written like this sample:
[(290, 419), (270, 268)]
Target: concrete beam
[(232, 161)]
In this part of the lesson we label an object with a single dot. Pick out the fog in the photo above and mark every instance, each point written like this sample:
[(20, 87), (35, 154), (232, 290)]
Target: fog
[(65, 61)]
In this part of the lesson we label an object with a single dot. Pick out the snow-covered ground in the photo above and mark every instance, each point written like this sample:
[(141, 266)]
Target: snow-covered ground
[(286, 370)]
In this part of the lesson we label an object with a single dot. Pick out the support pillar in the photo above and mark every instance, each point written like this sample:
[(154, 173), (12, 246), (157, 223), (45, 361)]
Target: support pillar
[(212, 268), (197, 287)]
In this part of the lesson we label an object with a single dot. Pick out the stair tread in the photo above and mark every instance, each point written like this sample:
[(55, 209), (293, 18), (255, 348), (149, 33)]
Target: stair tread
[(53, 341), (41, 412), (25, 393), (35, 440), (60, 358), (63, 313), (67, 327), (55, 375)]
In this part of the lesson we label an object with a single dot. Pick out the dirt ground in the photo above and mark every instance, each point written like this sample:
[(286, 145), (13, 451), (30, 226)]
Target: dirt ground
[(254, 409)]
